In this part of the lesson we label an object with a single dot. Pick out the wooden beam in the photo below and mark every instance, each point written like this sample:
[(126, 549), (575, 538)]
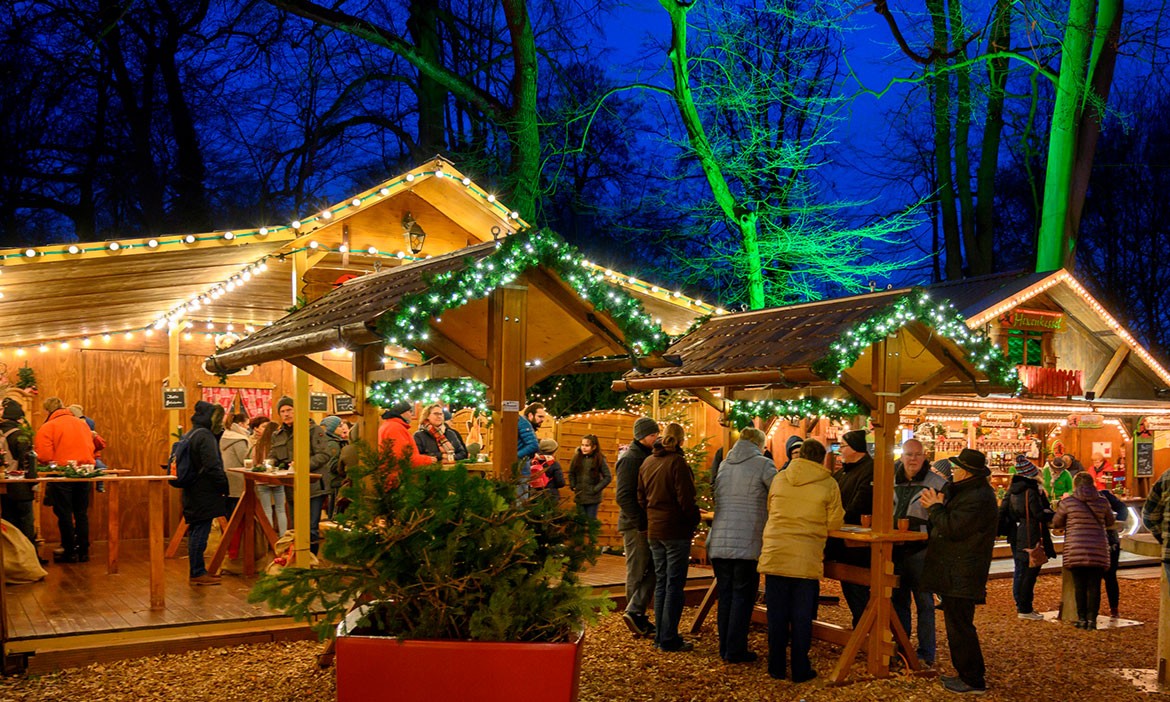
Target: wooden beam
[(439, 344), (367, 360), (427, 371), (1111, 369), (581, 312), (324, 374), (932, 343), (509, 312), (855, 388), (556, 364), (927, 386), (709, 397)]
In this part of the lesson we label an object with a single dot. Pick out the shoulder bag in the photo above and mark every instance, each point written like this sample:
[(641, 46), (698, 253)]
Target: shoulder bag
[(1036, 555)]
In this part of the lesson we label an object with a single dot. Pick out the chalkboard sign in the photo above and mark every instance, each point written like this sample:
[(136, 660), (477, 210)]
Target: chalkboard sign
[(1144, 465), (318, 402), (342, 404), (174, 398)]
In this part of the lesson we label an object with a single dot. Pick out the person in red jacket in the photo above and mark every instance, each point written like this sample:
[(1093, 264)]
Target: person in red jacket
[(63, 438), (396, 440)]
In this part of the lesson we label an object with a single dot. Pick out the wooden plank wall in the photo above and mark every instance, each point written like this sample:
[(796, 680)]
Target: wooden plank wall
[(119, 384)]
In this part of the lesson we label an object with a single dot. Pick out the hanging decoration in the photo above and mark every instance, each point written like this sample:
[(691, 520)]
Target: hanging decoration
[(512, 257), (740, 414), (456, 393), (941, 316)]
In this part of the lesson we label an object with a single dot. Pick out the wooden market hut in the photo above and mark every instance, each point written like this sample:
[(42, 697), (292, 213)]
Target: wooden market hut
[(893, 350), (119, 326)]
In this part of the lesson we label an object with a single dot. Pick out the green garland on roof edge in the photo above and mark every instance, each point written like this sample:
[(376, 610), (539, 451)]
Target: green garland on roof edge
[(456, 393), (941, 316), (741, 413), (513, 256)]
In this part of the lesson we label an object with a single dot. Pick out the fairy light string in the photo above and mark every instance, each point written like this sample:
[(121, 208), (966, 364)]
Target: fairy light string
[(456, 393), (742, 413)]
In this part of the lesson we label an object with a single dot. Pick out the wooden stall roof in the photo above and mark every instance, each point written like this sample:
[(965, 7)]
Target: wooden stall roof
[(65, 293), (779, 345)]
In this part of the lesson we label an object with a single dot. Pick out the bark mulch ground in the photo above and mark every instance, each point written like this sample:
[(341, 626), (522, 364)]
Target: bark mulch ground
[(1026, 660)]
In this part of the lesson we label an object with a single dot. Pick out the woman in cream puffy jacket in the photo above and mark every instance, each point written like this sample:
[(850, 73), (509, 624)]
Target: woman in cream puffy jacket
[(804, 503)]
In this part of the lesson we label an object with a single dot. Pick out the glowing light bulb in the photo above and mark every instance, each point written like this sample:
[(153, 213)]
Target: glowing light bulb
[(228, 236), (190, 239), (326, 214), (73, 249), (152, 244), (356, 202), (296, 224), (262, 231)]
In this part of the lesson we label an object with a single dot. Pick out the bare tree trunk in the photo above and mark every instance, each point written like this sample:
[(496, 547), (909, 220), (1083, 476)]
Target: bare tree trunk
[(432, 96), (975, 265), (942, 143), (997, 70)]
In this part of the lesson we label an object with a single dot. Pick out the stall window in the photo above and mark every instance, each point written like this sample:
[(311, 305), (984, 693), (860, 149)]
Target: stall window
[(1025, 348)]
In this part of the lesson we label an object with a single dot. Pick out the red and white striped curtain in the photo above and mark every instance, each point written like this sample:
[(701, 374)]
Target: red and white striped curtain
[(256, 401), (220, 396)]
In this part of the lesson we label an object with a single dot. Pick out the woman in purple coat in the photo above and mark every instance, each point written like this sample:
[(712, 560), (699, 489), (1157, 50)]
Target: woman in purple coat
[(1085, 515)]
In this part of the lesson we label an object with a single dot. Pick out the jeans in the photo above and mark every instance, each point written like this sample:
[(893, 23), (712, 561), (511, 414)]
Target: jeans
[(1087, 586), (71, 505), (267, 494), (857, 597), (1023, 582), (1111, 589), (736, 582), (910, 567), (590, 510), (316, 504), (792, 606), (966, 655), (197, 533), (639, 571), (671, 559)]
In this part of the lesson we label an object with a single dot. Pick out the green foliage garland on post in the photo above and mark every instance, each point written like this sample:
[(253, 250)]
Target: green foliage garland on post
[(941, 316), (442, 554), (741, 414), (513, 256), (455, 392)]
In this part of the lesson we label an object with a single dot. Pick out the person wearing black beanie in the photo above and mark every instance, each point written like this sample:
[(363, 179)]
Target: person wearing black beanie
[(18, 500), (856, 482)]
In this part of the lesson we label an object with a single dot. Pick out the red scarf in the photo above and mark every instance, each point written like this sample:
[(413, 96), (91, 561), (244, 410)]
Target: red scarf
[(440, 436)]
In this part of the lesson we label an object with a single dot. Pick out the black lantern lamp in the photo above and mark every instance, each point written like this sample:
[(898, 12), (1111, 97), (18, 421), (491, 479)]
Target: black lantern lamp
[(414, 233)]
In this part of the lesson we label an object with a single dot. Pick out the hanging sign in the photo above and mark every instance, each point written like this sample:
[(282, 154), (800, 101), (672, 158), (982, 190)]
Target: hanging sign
[(1033, 320), (174, 398), (999, 420), (1153, 423), (1144, 458), (343, 404), (1086, 421), (318, 402)]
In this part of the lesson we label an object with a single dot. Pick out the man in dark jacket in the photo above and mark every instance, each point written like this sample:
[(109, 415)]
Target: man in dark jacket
[(205, 486), (912, 475), (856, 482), (632, 525), (321, 456), (958, 556), (17, 501)]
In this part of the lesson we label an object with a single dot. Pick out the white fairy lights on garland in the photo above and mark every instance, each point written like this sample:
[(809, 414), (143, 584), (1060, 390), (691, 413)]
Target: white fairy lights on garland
[(511, 258), (939, 315), (741, 413), (456, 393)]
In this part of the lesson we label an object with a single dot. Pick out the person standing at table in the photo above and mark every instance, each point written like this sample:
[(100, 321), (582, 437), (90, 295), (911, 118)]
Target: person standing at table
[(437, 440), (269, 496), (63, 438), (236, 447), (319, 462), (205, 487), (963, 521), (856, 482), (18, 500), (741, 509), (912, 475)]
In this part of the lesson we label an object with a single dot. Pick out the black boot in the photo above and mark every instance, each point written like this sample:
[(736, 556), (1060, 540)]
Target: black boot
[(83, 556), (66, 557)]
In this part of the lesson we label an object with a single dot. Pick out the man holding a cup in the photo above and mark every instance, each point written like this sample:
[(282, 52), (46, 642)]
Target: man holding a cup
[(855, 479)]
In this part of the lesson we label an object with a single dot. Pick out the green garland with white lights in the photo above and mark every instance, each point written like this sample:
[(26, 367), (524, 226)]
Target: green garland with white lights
[(513, 256), (740, 414), (941, 316), (456, 393)]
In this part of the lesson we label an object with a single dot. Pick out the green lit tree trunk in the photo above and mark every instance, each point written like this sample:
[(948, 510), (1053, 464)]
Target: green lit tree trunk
[(1081, 82), (684, 99), (976, 265)]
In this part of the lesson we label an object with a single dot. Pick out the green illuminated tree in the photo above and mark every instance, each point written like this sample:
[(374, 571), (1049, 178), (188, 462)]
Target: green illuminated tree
[(757, 104)]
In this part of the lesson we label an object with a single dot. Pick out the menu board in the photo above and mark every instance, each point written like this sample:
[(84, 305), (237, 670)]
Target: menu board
[(1144, 462), (342, 404)]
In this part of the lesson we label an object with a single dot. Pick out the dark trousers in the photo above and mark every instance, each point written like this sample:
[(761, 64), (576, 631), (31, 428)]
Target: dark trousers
[(857, 597), (736, 582), (71, 505), (19, 513), (671, 559), (1111, 590), (792, 606), (1023, 582), (316, 504), (1087, 587), (197, 533), (966, 655)]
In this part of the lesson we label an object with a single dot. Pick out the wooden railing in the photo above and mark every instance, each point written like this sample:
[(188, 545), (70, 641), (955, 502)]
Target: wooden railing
[(1051, 382)]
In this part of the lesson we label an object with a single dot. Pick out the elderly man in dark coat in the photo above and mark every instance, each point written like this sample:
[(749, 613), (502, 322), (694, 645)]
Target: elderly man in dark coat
[(963, 522)]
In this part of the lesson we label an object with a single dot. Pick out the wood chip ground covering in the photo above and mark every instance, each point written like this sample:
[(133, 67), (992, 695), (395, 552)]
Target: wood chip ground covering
[(1026, 660)]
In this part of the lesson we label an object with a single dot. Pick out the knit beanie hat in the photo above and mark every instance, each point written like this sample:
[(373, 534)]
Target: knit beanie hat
[(397, 409), (792, 446), (285, 401), (331, 423), (856, 440), (548, 446), (12, 410), (943, 467), (644, 427), (1025, 467)]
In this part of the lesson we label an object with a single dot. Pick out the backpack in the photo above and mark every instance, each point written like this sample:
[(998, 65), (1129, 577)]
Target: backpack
[(7, 460), (537, 477), (180, 460)]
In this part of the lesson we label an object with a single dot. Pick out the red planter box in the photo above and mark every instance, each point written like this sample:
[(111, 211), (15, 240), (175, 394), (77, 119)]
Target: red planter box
[(382, 668)]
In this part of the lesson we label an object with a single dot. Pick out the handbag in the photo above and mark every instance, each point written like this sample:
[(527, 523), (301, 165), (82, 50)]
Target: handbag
[(1036, 555)]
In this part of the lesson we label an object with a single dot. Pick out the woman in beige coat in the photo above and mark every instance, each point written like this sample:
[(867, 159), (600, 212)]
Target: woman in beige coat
[(804, 503)]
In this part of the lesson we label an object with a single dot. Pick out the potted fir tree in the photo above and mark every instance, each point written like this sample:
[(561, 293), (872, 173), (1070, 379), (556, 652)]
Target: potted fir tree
[(441, 586)]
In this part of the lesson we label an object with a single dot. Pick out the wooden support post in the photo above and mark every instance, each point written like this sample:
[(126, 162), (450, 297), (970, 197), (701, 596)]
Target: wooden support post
[(508, 319), (158, 581), (113, 525), (366, 360), (300, 437)]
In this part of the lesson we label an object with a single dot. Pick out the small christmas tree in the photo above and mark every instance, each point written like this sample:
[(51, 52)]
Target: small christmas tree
[(442, 554), (26, 378)]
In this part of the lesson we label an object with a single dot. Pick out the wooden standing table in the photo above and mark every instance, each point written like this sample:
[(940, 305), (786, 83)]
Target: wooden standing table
[(248, 514)]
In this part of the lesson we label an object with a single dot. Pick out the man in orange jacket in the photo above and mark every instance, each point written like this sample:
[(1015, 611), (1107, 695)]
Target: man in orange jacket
[(63, 438), (395, 440)]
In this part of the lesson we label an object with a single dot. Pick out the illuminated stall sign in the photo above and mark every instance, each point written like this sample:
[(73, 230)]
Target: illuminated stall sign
[(1086, 421), (999, 420), (1033, 320)]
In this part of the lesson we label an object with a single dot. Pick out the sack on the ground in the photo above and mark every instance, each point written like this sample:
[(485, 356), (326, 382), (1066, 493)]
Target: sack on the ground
[(1036, 555), (286, 554), (21, 564)]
